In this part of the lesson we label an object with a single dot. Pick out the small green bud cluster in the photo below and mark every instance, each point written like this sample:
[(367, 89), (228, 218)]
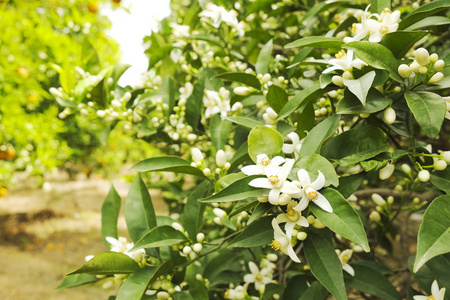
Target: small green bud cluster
[(426, 64)]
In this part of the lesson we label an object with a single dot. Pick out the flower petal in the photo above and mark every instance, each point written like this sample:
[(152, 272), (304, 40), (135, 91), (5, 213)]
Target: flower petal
[(303, 222), (277, 160), (286, 169), (249, 278), (282, 218), (288, 148), (347, 268), (303, 177), (253, 267), (274, 194), (302, 204), (291, 253), (260, 183), (252, 170), (319, 182), (290, 188), (323, 203), (276, 228)]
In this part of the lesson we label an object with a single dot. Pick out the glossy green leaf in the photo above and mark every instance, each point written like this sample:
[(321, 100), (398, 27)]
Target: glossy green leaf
[(375, 102), (296, 287), (167, 164), (360, 87), (262, 63), (244, 78), (139, 282), (76, 280), (428, 110), (372, 282), (284, 128), (344, 220), (139, 212), (199, 291), (194, 102), (298, 58), (319, 134), (260, 210), (377, 6), (349, 184), (355, 145), (429, 22), (168, 94), (315, 291), (345, 25), (243, 205), (160, 236), (437, 268), (317, 42), (264, 140), (276, 98), (256, 234), (377, 56), (441, 180), (110, 215), (108, 263), (245, 122), (272, 289), (434, 233), (306, 120), (193, 210), (313, 164), (422, 12), (238, 190), (301, 99), (324, 263), (220, 129), (226, 180)]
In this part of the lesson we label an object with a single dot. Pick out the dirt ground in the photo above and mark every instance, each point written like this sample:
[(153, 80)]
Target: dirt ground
[(46, 234)]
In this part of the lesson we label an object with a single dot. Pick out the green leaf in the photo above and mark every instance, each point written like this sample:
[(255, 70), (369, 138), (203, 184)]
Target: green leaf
[(344, 220), (349, 184), (110, 215), (298, 58), (238, 190), (437, 269), (319, 134), (199, 291), (317, 42), (160, 236), (434, 232), (429, 22), (345, 25), (355, 145), (139, 212), (264, 140), (194, 102), (139, 282), (428, 110), (315, 291), (168, 93), (108, 263), (441, 180), (262, 63), (256, 234), (244, 78), (301, 99), (220, 129), (76, 280), (193, 210), (377, 56), (296, 287), (371, 281), (84, 85), (243, 205), (306, 120), (377, 6), (375, 102), (205, 37), (260, 210), (272, 289), (245, 122), (318, 7), (225, 181), (422, 12), (325, 264), (276, 98), (313, 164), (167, 164), (360, 87)]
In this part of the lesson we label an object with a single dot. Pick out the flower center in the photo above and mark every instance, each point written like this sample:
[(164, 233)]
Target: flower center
[(354, 28), (345, 259), (431, 298), (273, 179), (313, 195), (340, 54), (258, 278), (387, 10), (276, 245), (383, 29), (265, 161)]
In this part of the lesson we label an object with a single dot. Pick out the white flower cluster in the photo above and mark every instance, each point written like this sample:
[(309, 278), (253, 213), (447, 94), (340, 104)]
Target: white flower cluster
[(424, 63), (219, 102), (215, 15)]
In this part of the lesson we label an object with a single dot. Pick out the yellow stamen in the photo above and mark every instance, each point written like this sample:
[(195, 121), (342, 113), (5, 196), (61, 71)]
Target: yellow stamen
[(387, 10), (313, 195), (291, 213), (340, 54), (345, 258), (383, 29), (273, 179), (276, 245), (354, 28), (265, 161), (431, 298)]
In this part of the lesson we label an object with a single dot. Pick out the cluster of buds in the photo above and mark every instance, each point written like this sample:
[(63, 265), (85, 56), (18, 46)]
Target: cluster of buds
[(199, 162), (426, 64)]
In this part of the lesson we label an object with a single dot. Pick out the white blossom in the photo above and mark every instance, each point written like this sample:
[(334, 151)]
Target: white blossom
[(344, 257), (296, 145), (259, 277), (282, 241), (262, 161), (310, 191), (436, 293), (344, 61)]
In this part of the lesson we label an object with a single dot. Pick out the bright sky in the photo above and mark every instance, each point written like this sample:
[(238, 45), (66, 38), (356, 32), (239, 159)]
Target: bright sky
[(130, 28)]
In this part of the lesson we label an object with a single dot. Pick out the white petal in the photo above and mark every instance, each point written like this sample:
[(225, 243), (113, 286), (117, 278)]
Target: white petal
[(347, 268), (288, 148), (276, 228), (274, 194), (319, 182), (323, 203), (420, 297), (277, 160), (330, 69), (292, 255), (253, 268), (302, 204), (252, 170), (261, 183), (303, 177), (290, 188), (261, 157), (289, 227), (286, 169), (249, 278), (303, 222), (112, 241), (282, 218)]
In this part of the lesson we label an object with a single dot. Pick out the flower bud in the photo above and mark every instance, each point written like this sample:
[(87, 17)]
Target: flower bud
[(272, 257), (445, 156), (386, 172), (347, 75), (317, 224), (337, 80), (302, 236), (284, 199), (266, 78), (423, 70), (310, 219), (271, 113), (263, 199), (424, 175), (219, 212), (207, 172), (414, 66), (422, 56), (440, 165), (364, 116), (439, 65), (241, 90), (436, 77), (197, 155), (390, 200), (162, 295), (378, 199), (187, 250), (221, 158), (200, 237), (197, 247), (268, 119), (404, 71), (416, 200), (406, 168), (101, 113), (177, 226), (389, 115), (375, 216)]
